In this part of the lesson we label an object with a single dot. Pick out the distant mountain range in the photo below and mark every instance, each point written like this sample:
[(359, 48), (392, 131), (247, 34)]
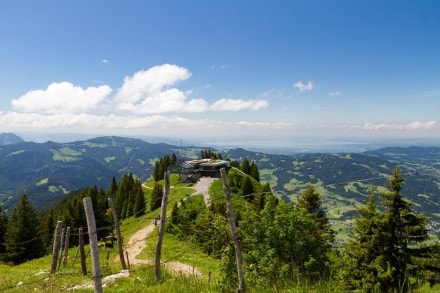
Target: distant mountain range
[(47, 171)]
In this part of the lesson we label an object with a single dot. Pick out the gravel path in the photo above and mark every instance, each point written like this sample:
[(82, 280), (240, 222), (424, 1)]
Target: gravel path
[(202, 187)]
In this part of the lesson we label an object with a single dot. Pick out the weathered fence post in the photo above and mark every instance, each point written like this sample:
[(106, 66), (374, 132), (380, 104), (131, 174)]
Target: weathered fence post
[(93, 239), (234, 234), (118, 233), (82, 253), (60, 254), (56, 247), (163, 216), (66, 247), (128, 260)]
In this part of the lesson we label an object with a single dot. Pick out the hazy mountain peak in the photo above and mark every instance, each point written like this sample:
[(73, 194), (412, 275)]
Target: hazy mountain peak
[(7, 138)]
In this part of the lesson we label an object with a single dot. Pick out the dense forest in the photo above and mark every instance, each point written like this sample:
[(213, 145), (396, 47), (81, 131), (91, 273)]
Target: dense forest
[(390, 250)]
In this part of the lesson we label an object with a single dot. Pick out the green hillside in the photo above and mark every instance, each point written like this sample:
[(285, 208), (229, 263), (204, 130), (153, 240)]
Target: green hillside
[(48, 171), (344, 180)]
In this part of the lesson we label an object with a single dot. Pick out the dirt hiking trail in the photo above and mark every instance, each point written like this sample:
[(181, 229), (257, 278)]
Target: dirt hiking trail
[(137, 243)]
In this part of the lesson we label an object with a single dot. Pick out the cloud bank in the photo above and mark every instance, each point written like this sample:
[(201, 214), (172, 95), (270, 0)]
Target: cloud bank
[(396, 126), (147, 99)]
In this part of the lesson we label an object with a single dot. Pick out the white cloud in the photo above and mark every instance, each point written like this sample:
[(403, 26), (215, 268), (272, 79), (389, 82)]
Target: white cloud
[(304, 87), (396, 126), (146, 92), (144, 101), (151, 92), (238, 104), (61, 97), (143, 84), (120, 122), (104, 61), (334, 94)]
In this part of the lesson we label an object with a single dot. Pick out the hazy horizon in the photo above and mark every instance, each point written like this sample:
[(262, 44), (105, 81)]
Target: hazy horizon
[(303, 144)]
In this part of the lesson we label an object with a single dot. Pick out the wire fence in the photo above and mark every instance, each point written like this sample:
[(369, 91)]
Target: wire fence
[(46, 276)]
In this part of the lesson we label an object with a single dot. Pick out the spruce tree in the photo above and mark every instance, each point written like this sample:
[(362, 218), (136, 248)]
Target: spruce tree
[(23, 237), (3, 227), (254, 171), (388, 249), (359, 269), (247, 189), (246, 166), (139, 202), (310, 202), (156, 196)]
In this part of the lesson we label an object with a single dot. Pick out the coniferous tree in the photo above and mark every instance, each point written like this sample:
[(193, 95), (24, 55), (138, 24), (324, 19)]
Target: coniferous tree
[(247, 189), (3, 227), (254, 171), (139, 202), (360, 253), (23, 237), (387, 250), (246, 166), (156, 196), (310, 202), (161, 166), (113, 188), (156, 172)]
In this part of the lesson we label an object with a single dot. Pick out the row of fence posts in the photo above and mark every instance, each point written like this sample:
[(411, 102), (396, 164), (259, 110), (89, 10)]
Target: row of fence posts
[(59, 255), (62, 238)]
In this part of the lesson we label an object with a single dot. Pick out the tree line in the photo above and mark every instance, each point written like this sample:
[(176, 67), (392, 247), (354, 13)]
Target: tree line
[(27, 234)]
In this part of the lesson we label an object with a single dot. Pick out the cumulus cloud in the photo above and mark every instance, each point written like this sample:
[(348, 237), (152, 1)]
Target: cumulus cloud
[(304, 87), (152, 92), (149, 82), (144, 101), (396, 126), (62, 97)]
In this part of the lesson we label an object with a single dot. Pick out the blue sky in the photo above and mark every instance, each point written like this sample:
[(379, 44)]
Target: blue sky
[(264, 70)]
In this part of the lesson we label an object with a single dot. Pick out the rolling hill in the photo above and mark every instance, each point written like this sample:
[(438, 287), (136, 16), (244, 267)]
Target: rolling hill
[(47, 171), (344, 180)]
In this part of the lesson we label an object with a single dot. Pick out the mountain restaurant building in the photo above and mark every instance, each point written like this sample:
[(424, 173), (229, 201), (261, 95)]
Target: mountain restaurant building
[(191, 171)]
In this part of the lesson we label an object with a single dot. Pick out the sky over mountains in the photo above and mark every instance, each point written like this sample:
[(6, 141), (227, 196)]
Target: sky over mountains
[(271, 71)]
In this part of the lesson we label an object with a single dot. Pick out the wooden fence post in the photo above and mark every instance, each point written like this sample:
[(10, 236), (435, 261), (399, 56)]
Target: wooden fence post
[(60, 254), (93, 239), (128, 260), (82, 253), (66, 247), (56, 247), (118, 233), (234, 234), (163, 216)]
